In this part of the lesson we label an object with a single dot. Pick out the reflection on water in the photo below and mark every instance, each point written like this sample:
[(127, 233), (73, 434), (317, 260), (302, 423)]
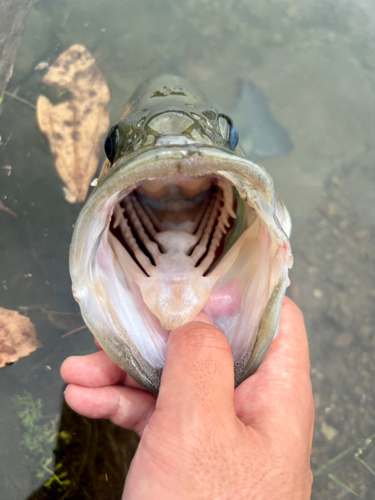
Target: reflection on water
[(313, 63)]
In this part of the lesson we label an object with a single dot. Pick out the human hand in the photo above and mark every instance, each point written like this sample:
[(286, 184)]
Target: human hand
[(201, 439)]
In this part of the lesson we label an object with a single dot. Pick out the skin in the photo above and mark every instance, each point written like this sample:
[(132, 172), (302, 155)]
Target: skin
[(201, 439)]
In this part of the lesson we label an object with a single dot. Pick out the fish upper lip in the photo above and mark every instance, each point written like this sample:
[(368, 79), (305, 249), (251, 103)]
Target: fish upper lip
[(160, 149), (171, 152)]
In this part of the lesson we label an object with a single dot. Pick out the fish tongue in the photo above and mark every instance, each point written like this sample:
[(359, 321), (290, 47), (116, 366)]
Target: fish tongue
[(175, 300), (176, 291)]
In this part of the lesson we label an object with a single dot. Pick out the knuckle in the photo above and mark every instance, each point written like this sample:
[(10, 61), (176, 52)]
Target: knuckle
[(205, 338), (291, 308)]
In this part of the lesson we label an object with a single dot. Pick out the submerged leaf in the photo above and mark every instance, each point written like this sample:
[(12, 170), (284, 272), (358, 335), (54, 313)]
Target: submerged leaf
[(64, 320), (17, 336), (75, 128)]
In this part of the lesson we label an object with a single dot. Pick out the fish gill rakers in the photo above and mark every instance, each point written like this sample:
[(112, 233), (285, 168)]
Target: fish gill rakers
[(186, 247)]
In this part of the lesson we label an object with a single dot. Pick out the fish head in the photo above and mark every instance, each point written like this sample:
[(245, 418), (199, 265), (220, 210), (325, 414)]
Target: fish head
[(180, 222), (167, 110)]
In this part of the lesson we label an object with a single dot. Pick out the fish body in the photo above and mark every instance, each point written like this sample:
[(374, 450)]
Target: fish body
[(261, 135), (179, 222)]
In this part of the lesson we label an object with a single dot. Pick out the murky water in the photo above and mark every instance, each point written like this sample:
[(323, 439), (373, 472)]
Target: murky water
[(312, 64)]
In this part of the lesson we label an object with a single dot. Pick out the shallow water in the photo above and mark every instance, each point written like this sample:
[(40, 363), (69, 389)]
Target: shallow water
[(314, 64)]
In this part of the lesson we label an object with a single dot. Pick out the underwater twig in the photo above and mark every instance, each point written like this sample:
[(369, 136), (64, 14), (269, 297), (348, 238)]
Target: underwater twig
[(20, 99), (336, 480), (356, 452), (74, 331), (5, 144), (367, 466), (7, 210)]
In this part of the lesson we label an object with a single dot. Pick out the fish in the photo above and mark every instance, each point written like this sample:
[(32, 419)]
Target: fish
[(261, 135), (180, 222)]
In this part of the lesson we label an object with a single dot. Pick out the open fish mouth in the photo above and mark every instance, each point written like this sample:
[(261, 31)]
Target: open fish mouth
[(172, 230), (158, 252)]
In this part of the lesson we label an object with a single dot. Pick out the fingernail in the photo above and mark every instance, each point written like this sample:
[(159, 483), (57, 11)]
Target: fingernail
[(203, 318)]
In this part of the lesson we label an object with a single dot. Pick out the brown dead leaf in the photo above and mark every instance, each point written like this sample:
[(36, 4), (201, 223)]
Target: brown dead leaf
[(75, 128), (4, 208), (17, 336)]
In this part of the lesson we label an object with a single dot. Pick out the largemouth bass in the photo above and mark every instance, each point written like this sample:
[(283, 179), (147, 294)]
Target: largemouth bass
[(179, 222)]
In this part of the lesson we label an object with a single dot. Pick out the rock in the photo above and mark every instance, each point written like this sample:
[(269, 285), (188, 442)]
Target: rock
[(343, 340), (328, 431)]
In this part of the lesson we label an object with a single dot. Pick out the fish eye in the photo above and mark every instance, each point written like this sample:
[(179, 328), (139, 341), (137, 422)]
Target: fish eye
[(233, 138), (228, 131), (111, 143)]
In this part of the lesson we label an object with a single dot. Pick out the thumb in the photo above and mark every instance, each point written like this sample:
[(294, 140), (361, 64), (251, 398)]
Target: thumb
[(198, 374)]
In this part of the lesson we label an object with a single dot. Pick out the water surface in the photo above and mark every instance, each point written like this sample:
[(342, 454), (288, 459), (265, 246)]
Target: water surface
[(313, 65)]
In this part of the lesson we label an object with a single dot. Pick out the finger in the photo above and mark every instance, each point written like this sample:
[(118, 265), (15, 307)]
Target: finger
[(97, 344), (124, 406), (203, 318), (198, 375), (280, 390), (94, 370)]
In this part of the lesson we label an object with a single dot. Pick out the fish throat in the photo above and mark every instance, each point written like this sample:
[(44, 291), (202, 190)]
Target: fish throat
[(179, 231), (175, 233)]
